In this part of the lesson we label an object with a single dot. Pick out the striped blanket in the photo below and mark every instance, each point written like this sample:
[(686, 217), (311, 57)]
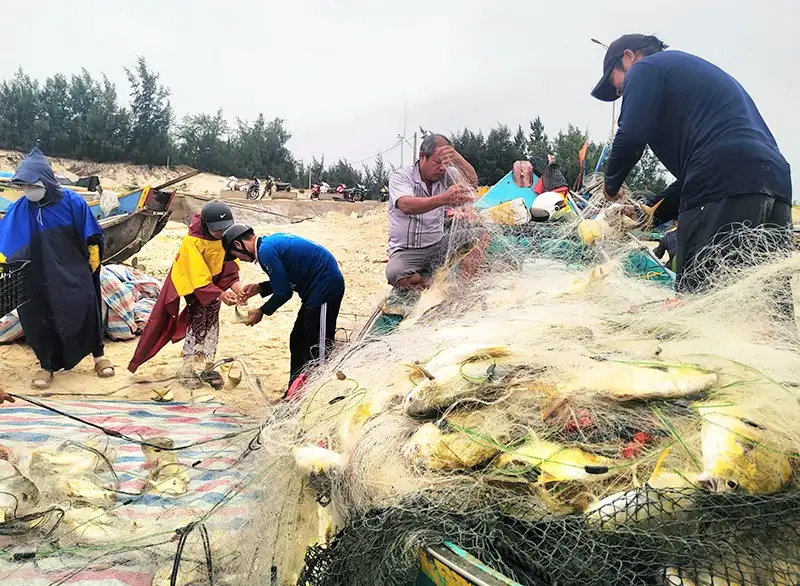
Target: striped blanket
[(218, 476), (128, 299)]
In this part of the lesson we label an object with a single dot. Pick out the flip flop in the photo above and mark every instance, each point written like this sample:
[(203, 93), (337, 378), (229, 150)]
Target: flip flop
[(101, 366), (42, 380)]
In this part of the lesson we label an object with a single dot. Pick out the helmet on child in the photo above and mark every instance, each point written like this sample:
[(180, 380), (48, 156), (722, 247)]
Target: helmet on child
[(216, 215)]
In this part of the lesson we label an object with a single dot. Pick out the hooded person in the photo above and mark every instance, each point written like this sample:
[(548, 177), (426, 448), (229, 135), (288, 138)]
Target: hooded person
[(202, 276), (53, 228)]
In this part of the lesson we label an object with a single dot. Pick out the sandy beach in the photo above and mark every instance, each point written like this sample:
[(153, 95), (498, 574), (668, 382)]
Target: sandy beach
[(359, 244)]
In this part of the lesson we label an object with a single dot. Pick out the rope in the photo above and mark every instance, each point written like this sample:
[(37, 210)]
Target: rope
[(116, 434)]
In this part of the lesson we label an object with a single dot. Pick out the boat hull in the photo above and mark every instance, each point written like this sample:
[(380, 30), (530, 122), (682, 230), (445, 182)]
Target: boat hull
[(124, 236), (128, 202), (449, 565)]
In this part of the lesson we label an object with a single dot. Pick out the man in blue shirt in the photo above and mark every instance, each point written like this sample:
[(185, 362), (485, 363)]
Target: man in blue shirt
[(293, 264), (706, 130)]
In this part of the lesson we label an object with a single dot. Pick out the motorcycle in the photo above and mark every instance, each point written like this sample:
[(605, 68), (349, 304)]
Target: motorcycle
[(253, 189), (357, 193), (383, 194)]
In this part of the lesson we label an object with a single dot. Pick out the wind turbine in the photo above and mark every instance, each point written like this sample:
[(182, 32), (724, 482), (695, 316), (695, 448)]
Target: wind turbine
[(402, 138)]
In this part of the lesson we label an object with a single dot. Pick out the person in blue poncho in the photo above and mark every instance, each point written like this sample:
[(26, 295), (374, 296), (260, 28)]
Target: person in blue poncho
[(293, 264), (54, 229)]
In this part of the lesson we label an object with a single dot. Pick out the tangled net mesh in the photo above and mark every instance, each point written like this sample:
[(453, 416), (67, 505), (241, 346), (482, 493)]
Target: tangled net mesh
[(547, 407), (560, 422)]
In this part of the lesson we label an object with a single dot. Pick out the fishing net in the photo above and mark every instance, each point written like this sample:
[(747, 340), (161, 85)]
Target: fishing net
[(546, 404), (559, 415)]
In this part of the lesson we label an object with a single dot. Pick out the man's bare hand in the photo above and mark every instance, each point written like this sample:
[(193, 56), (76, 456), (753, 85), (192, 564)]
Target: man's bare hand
[(6, 397), (249, 291), (459, 194), (254, 317), (448, 154)]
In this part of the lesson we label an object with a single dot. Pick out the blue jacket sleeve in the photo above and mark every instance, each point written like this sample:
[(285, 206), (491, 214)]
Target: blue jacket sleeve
[(85, 222), (281, 287), (638, 121)]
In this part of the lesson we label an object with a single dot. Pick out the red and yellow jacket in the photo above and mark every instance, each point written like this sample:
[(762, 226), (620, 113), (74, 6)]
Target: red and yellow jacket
[(200, 274)]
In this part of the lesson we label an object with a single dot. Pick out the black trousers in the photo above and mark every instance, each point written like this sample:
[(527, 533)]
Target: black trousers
[(312, 338), (713, 237)]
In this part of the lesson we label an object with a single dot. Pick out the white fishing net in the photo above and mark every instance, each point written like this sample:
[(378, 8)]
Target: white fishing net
[(545, 404)]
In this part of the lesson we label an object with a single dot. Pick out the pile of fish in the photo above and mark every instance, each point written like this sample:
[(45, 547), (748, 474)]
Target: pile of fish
[(605, 440), (70, 492)]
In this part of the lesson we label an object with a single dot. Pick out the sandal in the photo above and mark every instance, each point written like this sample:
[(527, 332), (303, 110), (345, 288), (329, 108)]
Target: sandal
[(104, 368), (42, 380)]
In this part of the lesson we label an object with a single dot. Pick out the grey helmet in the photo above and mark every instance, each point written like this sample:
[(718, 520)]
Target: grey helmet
[(235, 233), (216, 215)]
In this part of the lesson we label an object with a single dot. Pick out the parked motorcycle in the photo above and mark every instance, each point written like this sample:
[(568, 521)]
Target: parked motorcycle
[(281, 185), (357, 193), (254, 189)]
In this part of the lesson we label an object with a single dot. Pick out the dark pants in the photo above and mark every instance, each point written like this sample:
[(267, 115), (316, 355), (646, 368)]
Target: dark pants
[(713, 238), (313, 335)]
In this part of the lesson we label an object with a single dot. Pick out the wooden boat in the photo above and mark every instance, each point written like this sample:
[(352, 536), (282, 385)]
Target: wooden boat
[(126, 233), (128, 202)]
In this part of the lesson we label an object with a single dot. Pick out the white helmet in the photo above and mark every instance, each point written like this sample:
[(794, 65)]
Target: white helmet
[(545, 206)]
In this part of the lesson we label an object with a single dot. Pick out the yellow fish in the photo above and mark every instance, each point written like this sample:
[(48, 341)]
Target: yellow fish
[(452, 383), (587, 284), (556, 463), (734, 457), (458, 441), (167, 475), (67, 459), (316, 460), (466, 353), (631, 382), (86, 491)]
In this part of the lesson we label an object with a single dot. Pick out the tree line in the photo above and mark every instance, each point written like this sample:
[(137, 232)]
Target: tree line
[(82, 117)]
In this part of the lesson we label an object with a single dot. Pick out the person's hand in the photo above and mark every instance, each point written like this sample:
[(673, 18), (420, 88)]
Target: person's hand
[(447, 154), (254, 317), (248, 291), (459, 194), (228, 297), (6, 397)]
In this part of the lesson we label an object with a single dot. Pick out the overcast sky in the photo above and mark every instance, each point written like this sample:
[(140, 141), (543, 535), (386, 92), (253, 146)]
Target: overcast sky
[(340, 71)]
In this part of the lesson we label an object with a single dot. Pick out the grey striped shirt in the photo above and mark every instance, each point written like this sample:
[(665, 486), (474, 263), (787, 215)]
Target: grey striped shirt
[(419, 230)]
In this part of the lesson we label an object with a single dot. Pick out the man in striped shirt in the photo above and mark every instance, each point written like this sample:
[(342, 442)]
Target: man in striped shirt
[(418, 196)]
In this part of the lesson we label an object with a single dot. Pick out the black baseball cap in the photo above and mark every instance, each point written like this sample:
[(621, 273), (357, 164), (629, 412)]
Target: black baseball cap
[(604, 91)]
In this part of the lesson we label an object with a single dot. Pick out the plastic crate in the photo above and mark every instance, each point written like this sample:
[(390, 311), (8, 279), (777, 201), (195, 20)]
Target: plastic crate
[(13, 286)]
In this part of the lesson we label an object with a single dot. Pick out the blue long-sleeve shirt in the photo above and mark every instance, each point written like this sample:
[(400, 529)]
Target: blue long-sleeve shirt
[(296, 264), (704, 128)]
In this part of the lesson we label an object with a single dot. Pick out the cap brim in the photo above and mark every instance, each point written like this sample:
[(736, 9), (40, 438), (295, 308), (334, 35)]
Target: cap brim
[(221, 225), (604, 91)]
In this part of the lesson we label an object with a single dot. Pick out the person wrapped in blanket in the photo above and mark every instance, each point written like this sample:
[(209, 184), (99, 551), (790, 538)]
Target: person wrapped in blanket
[(201, 275), (53, 228)]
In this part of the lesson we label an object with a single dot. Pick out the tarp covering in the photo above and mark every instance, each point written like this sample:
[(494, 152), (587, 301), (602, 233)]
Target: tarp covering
[(215, 469)]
